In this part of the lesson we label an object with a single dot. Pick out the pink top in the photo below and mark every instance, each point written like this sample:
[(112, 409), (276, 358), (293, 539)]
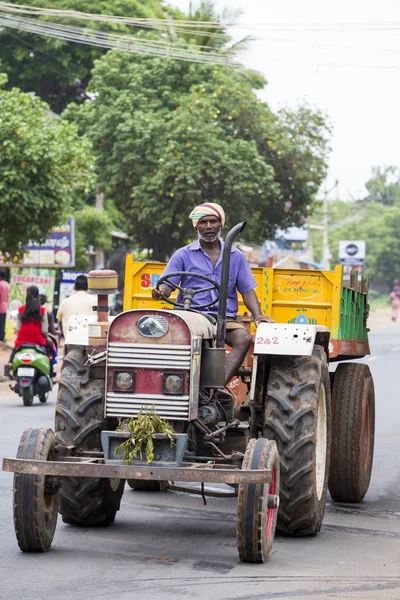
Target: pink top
[(4, 289)]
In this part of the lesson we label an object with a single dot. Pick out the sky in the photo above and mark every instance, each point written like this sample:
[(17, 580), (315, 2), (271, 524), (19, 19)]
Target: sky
[(352, 73)]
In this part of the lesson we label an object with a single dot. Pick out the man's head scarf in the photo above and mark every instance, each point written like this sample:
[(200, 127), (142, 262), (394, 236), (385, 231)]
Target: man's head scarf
[(206, 210)]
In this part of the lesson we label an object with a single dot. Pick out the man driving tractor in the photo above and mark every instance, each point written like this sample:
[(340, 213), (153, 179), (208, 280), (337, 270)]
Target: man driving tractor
[(204, 257)]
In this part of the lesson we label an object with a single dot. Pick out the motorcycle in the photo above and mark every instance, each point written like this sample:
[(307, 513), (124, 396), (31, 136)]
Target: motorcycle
[(31, 371)]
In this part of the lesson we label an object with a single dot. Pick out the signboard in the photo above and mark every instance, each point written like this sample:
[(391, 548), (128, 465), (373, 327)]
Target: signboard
[(352, 255), (57, 251), (20, 280), (67, 283)]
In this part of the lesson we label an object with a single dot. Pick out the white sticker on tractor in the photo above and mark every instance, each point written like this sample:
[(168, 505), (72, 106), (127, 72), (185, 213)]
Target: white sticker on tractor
[(285, 338)]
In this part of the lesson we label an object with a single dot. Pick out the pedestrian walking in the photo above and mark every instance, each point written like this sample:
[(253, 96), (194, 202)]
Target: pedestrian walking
[(395, 300), (4, 290), (79, 303)]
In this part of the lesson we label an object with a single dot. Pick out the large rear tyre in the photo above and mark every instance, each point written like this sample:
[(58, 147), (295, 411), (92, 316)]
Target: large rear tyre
[(353, 432), (144, 486), (36, 497), (298, 418), (27, 396), (256, 511), (79, 422)]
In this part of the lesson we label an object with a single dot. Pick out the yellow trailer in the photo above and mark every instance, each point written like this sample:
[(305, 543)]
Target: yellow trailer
[(289, 296)]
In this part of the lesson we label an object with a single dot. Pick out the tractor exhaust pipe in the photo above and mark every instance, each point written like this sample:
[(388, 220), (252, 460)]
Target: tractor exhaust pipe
[(223, 293)]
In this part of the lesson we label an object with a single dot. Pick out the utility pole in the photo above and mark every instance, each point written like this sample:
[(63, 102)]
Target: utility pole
[(326, 255), (99, 254)]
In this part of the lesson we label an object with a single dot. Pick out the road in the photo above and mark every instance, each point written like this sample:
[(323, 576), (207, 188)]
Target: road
[(165, 546)]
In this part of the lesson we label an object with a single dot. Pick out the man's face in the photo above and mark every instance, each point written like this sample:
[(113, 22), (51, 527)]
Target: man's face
[(209, 229)]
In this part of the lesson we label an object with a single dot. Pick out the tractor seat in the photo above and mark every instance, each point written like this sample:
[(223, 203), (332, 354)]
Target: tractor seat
[(211, 318)]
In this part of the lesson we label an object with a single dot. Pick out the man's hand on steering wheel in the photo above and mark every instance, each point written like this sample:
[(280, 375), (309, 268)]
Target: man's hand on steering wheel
[(158, 293)]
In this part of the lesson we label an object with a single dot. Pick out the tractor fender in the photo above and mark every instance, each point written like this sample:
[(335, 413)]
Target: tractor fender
[(290, 339)]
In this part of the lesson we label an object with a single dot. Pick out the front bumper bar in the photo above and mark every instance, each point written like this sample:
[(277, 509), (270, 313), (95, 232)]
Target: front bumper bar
[(84, 467)]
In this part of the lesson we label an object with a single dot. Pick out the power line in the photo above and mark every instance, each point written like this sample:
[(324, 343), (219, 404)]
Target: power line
[(110, 40), (187, 24)]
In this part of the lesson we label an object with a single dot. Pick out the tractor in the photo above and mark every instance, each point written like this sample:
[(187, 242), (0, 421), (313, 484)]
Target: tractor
[(279, 434)]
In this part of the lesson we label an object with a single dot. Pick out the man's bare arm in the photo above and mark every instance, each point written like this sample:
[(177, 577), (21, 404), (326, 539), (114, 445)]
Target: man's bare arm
[(252, 304)]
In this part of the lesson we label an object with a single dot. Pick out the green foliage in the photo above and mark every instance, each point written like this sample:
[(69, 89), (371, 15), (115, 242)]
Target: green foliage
[(376, 224), (51, 67), (142, 427), (93, 227), (169, 135), (46, 169), (384, 186)]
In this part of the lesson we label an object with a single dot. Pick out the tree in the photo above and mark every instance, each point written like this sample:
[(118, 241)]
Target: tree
[(168, 135), (377, 225), (384, 185), (58, 70), (46, 170), (93, 227)]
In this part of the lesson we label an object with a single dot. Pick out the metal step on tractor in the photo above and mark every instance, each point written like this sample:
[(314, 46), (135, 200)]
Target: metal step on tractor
[(281, 432)]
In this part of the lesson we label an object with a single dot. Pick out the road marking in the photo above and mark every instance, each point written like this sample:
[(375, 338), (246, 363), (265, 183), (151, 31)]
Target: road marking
[(371, 358)]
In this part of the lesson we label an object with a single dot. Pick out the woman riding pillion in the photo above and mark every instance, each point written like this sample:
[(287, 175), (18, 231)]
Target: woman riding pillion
[(32, 325)]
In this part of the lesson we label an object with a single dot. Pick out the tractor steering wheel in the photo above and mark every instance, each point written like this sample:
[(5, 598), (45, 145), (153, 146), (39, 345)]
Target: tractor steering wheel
[(188, 293)]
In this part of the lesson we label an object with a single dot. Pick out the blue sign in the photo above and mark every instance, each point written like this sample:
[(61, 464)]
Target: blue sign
[(57, 251)]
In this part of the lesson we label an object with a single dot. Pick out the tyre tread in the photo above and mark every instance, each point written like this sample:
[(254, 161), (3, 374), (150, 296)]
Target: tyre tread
[(295, 382), (79, 421)]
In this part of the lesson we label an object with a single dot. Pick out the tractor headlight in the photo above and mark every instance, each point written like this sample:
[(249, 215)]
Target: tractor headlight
[(123, 381), (173, 383)]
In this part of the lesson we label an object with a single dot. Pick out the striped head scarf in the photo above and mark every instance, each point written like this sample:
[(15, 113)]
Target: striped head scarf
[(205, 210)]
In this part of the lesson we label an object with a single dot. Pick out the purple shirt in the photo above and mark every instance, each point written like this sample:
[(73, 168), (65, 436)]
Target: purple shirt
[(193, 258)]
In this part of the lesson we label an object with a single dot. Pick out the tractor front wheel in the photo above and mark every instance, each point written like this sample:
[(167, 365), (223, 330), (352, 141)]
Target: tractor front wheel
[(36, 497), (257, 507)]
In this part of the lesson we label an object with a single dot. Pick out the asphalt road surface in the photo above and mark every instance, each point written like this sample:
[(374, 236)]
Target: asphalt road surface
[(165, 546)]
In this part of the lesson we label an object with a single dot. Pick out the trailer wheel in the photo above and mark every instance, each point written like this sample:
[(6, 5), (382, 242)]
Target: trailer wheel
[(36, 497), (144, 486), (353, 432), (27, 396), (298, 418), (256, 511), (80, 419)]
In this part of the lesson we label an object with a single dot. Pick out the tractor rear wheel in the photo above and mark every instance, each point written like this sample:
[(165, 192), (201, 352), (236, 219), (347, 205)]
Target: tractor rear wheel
[(298, 418), (36, 497), (79, 422), (353, 432), (256, 518)]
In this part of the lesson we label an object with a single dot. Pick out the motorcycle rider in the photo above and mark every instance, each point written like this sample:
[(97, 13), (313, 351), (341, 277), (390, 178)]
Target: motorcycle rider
[(52, 337), (32, 324)]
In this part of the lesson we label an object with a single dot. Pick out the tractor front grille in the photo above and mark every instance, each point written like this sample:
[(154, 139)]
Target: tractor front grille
[(152, 357)]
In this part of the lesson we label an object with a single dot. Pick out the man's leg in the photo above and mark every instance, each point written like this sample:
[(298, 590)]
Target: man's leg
[(2, 326), (239, 340)]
